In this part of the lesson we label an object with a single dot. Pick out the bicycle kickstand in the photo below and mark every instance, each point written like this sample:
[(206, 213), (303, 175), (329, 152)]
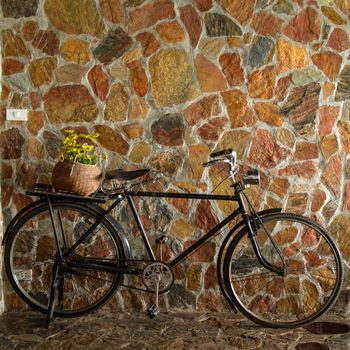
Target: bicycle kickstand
[(153, 310), (51, 305)]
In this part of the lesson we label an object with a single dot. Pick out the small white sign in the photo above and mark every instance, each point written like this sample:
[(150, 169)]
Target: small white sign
[(17, 114)]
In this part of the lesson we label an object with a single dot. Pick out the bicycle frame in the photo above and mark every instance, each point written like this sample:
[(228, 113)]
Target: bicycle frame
[(129, 195)]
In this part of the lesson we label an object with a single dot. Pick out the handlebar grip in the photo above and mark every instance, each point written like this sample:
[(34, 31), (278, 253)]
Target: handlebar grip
[(224, 152)]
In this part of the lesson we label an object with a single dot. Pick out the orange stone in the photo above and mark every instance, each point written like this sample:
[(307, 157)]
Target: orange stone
[(111, 139), (113, 10), (265, 152), (139, 108), (140, 152), (171, 32), (266, 24), (332, 175), (12, 66), (192, 22), (305, 26), (209, 75), (198, 154), (13, 45), (203, 109), (232, 67), (261, 83), (318, 199), (36, 121), (76, 50), (149, 43), (35, 148), (269, 113), (21, 200), (238, 109), (332, 15), (29, 30), (41, 70), (204, 5), (133, 131), (305, 170), (329, 145), (242, 10), (344, 131), (306, 150), (328, 89), (329, 62), (35, 99), (182, 228), (235, 42), (339, 40), (283, 85), (344, 5), (328, 117), (291, 56), (280, 186), (99, 82), (138, 78), (149, 14)]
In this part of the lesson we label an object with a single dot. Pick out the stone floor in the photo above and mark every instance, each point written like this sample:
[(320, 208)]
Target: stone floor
[(185, 330)]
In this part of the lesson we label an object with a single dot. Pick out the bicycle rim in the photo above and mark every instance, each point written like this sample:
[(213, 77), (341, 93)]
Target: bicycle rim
[(30, 252), (313, 272)]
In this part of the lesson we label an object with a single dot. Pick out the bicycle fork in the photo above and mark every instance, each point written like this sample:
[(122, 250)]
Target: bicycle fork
[(252, 233)]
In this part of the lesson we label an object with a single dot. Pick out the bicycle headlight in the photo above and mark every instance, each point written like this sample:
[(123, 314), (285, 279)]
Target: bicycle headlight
[(251, 177)]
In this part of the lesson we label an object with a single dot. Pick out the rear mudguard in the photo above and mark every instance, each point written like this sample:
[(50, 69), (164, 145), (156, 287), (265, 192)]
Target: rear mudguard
[(97, 209), (223, 248)]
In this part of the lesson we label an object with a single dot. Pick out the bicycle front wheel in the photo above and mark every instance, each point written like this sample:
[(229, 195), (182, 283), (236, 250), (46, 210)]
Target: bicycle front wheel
[(313, 272), (31, 250)]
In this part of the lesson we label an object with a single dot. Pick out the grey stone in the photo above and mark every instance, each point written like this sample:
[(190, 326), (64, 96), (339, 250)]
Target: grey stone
[(306, 76), (326, 30), (19, 8), (345, 112), (217, 24), (168, 130), (113, 46), (261, 4), (283, 7), (343, 88), (302, 105), (181, 298), (329, 209), (20, 81), (260, 51), (53, 144)]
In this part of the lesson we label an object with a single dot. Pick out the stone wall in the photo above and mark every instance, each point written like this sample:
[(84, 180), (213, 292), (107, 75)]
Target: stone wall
[(165, 83)]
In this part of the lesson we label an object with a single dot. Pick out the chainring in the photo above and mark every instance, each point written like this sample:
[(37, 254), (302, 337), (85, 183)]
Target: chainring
[(158, 272)]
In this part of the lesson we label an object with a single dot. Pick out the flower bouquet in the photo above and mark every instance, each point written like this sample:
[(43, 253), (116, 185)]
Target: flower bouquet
[(77, 170)]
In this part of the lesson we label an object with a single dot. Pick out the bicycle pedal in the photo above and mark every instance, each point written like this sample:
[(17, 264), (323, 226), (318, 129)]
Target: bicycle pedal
[(153, 311)]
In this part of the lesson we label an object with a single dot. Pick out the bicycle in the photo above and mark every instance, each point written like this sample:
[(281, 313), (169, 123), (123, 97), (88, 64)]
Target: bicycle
[(66, 255)]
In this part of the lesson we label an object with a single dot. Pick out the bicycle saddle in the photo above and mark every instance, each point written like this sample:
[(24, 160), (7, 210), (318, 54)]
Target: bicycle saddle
[(120, 174)]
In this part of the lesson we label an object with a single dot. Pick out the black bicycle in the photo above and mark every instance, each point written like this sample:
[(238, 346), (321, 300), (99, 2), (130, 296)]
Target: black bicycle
[(66, 255)]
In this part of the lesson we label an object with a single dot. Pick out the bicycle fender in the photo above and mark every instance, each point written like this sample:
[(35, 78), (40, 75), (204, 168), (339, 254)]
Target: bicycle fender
[(122, 235), (18, 217), (223, 248)]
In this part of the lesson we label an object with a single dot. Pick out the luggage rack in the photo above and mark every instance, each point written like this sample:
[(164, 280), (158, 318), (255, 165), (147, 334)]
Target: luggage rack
[(43, 190)]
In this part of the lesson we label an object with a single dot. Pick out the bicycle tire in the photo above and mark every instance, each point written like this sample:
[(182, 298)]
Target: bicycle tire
[(29, 254), (314, 272)]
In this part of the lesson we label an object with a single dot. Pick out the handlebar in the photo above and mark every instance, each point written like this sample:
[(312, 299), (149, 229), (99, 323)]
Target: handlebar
[(225, 152)]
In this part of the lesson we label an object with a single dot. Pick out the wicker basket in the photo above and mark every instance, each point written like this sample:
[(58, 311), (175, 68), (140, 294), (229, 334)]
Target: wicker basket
[(78, 178)]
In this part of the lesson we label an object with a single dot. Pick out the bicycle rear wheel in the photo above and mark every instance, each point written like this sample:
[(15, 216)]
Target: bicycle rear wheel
[(313, 277), (31, 249)]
